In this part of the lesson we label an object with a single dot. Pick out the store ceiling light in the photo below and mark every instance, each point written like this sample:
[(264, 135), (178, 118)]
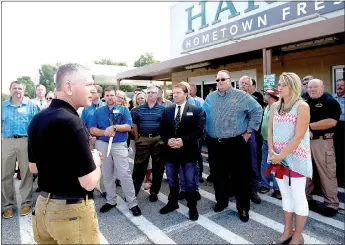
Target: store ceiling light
[(309, 44), (198, 65)]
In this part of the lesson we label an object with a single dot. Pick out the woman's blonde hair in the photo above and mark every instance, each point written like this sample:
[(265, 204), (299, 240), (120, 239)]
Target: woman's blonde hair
[(135, 104), (123, 94), (293, 82)]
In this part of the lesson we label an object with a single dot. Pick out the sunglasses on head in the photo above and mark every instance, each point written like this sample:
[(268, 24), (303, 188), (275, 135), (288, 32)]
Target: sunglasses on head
[(222, 79)]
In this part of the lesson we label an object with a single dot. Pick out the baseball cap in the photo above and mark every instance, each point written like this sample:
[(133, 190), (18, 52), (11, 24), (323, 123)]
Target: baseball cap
[(272, 91)]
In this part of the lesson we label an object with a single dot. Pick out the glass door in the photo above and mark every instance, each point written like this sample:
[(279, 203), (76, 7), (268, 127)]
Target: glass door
[(338, 72)]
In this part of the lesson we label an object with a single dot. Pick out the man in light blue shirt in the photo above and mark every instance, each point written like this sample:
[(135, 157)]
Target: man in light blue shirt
[(17, 113), (193, 90), (339, 133), (231, 117)]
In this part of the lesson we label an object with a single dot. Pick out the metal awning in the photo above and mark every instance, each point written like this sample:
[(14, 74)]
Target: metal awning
[(305, 32)]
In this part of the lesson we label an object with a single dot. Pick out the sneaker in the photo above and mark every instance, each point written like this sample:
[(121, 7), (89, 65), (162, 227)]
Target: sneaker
[(135, 211), (193, 214), (264, 190), (328, 212), (8, 213), (255, 198), (169, 208), (106, 207), (277, 194), (25, 210)]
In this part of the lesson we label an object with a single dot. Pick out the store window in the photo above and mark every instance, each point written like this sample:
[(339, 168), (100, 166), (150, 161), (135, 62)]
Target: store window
[(338, 72)]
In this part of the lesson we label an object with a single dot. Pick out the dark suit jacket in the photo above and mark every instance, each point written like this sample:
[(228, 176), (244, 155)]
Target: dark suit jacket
[(190, 130)]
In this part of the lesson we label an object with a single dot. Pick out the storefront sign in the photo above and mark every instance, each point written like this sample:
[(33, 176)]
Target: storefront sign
[(269, 81), (275, 17)]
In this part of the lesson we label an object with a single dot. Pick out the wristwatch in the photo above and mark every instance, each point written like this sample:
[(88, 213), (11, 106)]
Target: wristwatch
[(115, 128)]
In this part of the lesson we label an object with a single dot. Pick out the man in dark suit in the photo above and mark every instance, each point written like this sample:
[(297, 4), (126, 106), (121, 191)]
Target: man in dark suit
[(181, 127)]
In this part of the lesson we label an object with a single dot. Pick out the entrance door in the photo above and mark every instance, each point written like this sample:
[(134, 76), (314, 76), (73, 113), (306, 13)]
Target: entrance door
[(338, 72)]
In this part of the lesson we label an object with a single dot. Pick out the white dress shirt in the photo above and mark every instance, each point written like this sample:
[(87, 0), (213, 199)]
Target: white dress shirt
[(42, 104), (181, 110)]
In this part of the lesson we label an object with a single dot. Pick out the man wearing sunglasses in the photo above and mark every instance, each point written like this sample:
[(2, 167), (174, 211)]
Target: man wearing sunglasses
[(113, 122), (231, 117)]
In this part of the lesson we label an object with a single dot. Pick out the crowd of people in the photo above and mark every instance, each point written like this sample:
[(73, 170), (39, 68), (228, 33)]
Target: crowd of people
[(285, 136)]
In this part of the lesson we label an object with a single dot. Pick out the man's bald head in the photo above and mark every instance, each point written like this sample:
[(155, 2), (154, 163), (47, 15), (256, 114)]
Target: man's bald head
[(315, 88), (187, 85)]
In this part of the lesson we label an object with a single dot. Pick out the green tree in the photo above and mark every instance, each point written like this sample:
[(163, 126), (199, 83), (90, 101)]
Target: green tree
[(145, 59), (47, 73), (4, 96), (30, 87), (110, 62)]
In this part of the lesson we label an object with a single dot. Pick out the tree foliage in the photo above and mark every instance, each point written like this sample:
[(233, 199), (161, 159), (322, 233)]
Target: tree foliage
[(110, 62), (4, 96), (47, 73), (30, 87), (145, 59)]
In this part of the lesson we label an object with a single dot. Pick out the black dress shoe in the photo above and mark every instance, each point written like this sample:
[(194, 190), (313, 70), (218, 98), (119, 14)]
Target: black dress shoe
[(255, 198), (198, 196), (201, 180), (106, 207), (219, 207), (135, 211), (313, 205), (328, 212), (104, 195), (244, 215), (168, 208), (117, 182), (38, 189), (153, 198), (182, 195), (209, 178), (193, 214)]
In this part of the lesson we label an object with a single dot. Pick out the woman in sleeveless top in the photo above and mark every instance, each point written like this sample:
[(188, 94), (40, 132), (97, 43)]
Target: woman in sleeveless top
[(289, 154)]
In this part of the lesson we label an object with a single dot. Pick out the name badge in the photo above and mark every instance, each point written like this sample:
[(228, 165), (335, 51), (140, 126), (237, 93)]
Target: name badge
[(189, 113), (116, 111), (21, 109)]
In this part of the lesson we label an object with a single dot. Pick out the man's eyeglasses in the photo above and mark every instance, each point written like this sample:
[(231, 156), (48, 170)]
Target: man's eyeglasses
[(305, 83), (49, 98), (222, 79)]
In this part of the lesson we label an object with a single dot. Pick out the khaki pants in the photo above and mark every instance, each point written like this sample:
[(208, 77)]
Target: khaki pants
[(324, 157), (56, 222), (15, 150)]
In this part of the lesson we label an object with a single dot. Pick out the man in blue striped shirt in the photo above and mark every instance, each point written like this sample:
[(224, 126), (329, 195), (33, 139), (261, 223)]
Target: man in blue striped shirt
[(17, 113), (231, 117), (146, 127)]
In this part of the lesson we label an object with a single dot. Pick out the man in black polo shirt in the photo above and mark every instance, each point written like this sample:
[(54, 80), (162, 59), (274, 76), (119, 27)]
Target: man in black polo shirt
[(146, 127), (59, 151), (324, 112)]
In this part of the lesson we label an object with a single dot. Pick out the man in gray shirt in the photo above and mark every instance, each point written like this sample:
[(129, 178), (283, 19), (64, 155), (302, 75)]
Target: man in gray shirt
[(231, 117)]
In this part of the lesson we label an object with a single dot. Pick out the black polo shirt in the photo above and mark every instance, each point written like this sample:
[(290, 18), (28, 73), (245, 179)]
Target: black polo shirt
[(322, 108), (59, 145)]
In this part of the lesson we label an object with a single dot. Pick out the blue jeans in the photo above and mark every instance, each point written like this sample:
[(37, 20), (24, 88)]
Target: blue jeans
[(183, 180), (188, 173), (265, 180), (254, 163)]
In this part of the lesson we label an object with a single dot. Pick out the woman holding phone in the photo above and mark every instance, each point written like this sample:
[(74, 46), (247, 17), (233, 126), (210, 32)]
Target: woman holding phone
[(289, 154)]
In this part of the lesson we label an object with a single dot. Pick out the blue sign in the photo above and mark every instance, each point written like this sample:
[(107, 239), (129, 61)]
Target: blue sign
[(277, 16), (269, 81)]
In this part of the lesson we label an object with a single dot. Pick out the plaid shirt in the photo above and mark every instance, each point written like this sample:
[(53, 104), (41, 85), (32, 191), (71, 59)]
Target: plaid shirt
[(16, 118)]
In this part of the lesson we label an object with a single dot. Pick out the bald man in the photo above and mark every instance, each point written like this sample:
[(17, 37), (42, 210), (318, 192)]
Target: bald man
[(324, 113)]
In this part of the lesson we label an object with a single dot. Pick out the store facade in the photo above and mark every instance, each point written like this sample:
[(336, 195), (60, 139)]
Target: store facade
[(257, 39)]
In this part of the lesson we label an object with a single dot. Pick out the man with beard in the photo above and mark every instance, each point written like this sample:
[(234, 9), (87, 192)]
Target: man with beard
[(111, 124), (17, 113)]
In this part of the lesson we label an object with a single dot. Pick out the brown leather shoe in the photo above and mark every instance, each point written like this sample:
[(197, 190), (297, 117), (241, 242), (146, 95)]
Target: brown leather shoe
[(25, 210), (8, 213)]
